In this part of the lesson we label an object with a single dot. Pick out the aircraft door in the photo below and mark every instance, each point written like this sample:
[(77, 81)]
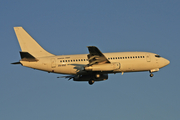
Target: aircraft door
[(148, 58), (53, 63)]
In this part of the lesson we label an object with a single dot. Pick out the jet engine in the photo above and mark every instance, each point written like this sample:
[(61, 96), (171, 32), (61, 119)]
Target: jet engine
[(103, 67), (94, 77)]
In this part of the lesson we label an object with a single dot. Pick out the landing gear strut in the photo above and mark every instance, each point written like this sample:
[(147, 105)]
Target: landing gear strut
[(151, 75), (91, 82)]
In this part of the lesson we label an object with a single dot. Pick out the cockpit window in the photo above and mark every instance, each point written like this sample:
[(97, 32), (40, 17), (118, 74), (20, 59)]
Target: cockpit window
[(157, 56)]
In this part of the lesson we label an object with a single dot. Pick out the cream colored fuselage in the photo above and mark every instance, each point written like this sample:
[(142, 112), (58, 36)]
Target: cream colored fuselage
[(74, 64)]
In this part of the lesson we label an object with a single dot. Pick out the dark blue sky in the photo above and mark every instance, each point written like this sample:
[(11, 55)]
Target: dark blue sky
[(67, 27)]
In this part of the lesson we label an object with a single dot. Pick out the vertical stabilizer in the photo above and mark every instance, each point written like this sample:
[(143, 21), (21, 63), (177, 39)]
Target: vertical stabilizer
[(28, 44)]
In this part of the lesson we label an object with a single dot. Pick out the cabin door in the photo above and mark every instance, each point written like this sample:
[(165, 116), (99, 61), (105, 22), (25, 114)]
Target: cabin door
[(53, 63), (148, 58)]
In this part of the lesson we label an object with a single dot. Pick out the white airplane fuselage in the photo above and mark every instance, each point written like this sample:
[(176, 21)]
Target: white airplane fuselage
[(74, 64)]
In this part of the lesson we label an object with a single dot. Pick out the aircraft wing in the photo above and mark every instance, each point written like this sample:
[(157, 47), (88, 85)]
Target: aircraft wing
[(95, 56)]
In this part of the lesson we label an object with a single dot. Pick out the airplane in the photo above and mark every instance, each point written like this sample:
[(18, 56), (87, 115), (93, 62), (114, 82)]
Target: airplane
[(91, 67)]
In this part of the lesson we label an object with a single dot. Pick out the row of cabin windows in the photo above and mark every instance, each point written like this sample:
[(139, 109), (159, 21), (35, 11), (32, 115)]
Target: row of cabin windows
[(129, 57), (74, 60), (108, 58)]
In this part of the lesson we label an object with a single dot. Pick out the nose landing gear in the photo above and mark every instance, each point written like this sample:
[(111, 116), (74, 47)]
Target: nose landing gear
[(151, 75), (153, 70)]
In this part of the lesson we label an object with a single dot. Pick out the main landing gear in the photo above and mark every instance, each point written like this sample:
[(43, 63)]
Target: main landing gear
[(91, 82)]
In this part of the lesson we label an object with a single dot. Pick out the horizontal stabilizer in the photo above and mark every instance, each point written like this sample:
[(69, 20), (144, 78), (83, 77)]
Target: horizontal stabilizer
[(70, 77), (16, 63), (25, 56)]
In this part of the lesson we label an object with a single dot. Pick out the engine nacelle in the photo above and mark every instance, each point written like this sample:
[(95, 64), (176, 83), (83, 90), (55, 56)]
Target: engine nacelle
[(95, 77), (103, 67)]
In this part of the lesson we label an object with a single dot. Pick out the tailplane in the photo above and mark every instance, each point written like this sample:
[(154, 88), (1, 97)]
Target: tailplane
[(28, 45), (25, 56)]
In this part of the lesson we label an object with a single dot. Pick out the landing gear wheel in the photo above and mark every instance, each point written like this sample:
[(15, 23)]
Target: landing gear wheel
[(151, 75), (91, 82)]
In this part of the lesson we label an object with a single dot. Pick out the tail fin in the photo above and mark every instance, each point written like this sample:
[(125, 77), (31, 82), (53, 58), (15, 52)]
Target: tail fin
[(28, 44)]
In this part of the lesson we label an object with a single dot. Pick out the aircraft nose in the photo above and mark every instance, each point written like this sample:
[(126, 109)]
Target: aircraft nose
[(167, 62)]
